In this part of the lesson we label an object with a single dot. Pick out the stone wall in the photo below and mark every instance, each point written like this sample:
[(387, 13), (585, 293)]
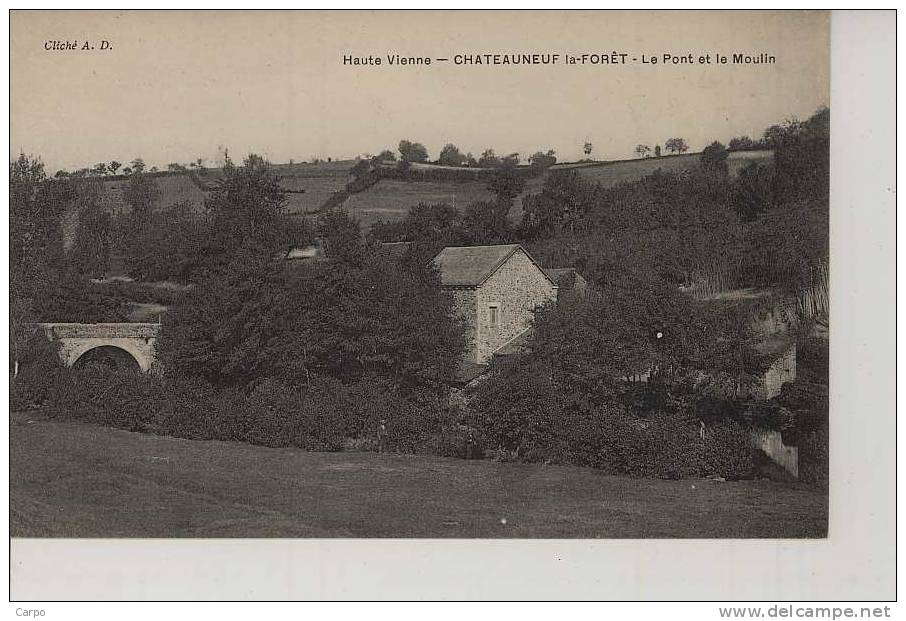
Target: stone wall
[(771, 442), (782, 370), (518, 287)]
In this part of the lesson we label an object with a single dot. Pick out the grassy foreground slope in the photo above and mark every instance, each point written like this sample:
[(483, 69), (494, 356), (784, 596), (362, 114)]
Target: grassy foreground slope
[(81, 480)]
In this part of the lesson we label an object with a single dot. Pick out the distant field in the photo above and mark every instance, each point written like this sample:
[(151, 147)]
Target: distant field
[(612, 173), (82, 480), (390, 200), (318, 181)]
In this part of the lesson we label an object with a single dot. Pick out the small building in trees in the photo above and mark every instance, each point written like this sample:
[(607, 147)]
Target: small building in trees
[(773, 321), (496, 289)]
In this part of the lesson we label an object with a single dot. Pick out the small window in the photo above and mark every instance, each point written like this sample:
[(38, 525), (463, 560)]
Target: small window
[(493, 315)]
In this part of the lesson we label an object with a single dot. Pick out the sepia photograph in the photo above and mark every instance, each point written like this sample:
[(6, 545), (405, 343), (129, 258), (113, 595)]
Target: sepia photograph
[(305, 275)]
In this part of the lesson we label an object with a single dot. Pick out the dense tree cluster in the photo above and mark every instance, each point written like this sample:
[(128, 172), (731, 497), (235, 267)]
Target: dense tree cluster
[(257, 332), (350, 317)]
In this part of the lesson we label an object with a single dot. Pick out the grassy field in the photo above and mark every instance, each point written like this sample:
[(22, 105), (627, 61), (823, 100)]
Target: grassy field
[(80, 480), (611, 173), (390, 200), (309, 185)]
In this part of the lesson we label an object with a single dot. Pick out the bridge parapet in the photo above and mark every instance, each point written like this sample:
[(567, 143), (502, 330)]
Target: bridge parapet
[(77, 339), (102, 330)]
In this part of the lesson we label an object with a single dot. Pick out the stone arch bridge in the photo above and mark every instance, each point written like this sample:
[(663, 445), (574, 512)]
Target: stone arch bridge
[(128, 343)]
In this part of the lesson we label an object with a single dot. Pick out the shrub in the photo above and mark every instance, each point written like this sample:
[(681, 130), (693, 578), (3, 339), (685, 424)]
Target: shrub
[(115, 398), (728, 451), (536, 422), (813, 457), (38, 367), (319, 417)]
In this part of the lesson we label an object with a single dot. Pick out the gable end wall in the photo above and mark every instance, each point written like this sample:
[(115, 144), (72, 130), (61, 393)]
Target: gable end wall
[(518, 287)]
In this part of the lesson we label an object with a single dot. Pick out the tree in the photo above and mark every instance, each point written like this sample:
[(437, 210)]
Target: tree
[(587, 149), (384, 156), (35, 239), (114, 166), (138, 165), (174, 244), (642, 150), (342, 237), (676, 145), (35, 208), (511, 161), (742, 143), (802, 155), (506, 184), (253, 320), (430, 226), (90, 253), (777, 134), (563, 203), (753, 191), (99, 169), (450, 156), (21, 330), (489, 159), (141, 194), (566, 397), (487, 223), (714, 158), (175, 167), (657, 150), (248, 208), (412, 152), (631, 324), (541, 161)]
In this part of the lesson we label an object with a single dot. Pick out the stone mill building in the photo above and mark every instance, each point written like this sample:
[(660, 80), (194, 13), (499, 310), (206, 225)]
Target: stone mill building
[(496, 289)]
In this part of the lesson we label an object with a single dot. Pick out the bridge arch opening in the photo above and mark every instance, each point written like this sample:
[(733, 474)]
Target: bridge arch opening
[(107, 357)]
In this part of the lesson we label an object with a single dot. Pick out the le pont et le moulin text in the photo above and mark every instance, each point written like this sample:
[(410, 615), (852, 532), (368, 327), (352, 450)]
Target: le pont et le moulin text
[(612, 58)]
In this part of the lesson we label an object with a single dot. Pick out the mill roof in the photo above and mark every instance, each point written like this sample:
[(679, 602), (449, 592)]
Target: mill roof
[(470, 266)]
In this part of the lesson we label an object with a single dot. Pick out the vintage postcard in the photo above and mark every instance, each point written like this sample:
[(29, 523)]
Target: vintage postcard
[(420, 275), (311, 283)]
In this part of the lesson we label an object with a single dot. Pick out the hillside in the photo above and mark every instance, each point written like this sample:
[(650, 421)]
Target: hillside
[(308, 186), (389, 200)]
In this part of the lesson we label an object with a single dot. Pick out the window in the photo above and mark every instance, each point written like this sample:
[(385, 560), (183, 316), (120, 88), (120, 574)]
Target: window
[(493, 315)]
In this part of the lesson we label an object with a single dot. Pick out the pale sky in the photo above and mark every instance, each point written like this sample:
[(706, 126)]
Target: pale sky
[(176, 86)]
